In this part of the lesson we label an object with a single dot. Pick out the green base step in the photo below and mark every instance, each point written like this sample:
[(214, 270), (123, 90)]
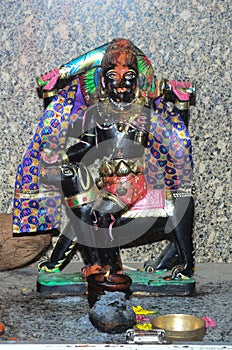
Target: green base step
[(152, 283)]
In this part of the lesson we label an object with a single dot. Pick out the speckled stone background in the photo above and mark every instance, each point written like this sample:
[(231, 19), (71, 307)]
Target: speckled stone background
[(184, 40)]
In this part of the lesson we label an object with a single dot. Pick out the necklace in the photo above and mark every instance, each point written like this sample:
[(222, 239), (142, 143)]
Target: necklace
[(121, 105), (110, 112)]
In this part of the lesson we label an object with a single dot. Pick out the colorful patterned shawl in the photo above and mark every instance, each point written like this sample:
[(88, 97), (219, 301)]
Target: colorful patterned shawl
[(168, 159)]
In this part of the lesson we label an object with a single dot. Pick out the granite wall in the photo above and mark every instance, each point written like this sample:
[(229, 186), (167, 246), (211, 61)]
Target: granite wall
[(184, 40)]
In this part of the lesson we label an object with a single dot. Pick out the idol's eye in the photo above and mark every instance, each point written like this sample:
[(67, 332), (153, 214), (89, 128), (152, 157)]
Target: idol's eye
[(130, 75), (111, 74)]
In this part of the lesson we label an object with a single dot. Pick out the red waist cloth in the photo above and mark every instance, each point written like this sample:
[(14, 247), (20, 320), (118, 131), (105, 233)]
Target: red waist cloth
[(129, 189)]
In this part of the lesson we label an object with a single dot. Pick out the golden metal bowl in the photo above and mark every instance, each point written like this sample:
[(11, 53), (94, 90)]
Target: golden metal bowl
[(181, 327)]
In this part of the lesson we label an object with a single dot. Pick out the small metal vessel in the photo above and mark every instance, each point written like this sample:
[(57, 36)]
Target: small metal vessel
[(181, 327)]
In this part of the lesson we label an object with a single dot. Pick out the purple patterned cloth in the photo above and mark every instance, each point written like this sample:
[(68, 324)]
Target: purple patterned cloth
[(168, 159)]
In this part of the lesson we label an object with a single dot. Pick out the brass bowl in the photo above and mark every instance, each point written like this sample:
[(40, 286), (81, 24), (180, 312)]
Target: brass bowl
[(181, 327)]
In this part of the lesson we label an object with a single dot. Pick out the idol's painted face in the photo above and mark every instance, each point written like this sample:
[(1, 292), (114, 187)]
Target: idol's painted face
[(120, 82)]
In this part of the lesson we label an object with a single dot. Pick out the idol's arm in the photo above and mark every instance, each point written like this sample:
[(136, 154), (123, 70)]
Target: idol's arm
[(76, 152)]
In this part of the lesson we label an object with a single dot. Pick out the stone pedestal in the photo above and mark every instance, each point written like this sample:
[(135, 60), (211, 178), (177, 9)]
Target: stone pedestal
[(158, 283)]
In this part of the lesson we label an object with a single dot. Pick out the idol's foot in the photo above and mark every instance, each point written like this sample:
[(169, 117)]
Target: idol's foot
[(180, 272), (61, 255), (167, 260)]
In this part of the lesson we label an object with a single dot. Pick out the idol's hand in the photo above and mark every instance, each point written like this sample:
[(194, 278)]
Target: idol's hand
[(182, 90)]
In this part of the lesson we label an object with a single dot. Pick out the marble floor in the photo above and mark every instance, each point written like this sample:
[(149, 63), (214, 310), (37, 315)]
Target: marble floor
[(50, 319)]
